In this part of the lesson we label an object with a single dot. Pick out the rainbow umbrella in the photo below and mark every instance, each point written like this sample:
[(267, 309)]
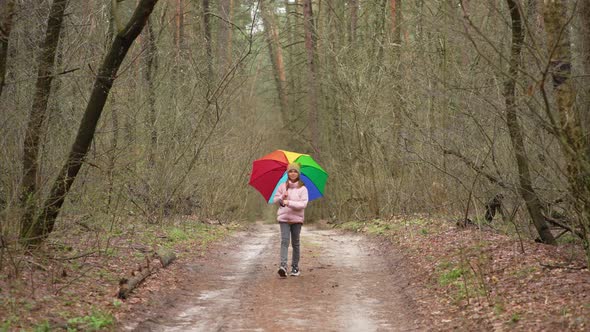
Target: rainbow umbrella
[(270, 171)]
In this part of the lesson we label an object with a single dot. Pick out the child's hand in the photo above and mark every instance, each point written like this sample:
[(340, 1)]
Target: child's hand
[(286, 202)]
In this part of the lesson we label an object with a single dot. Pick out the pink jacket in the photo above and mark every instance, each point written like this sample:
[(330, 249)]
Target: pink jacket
[(297, 197)]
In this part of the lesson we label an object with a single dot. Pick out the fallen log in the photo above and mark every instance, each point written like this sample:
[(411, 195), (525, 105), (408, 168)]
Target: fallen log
[(127, 285), (165, 257)]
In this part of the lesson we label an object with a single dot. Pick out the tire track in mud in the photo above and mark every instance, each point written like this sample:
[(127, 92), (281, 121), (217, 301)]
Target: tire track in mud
[(344, 286)]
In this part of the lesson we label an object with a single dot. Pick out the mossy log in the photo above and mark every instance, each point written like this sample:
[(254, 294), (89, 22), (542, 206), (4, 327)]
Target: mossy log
[(165, 256)]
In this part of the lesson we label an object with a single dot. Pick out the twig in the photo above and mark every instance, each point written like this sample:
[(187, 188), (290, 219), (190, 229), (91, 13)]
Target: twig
[(564, 226), (82, 274), (563, 266), (74, 257), (32, 262)]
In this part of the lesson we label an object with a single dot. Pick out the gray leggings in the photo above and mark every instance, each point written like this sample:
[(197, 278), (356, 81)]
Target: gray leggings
[(290, 231)]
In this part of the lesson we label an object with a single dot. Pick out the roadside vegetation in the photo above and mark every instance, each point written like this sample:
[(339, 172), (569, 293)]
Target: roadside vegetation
[(484, 278), (71, 283)]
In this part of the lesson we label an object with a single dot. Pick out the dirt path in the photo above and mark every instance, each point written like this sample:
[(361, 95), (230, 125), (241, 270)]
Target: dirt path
[(345, 285)]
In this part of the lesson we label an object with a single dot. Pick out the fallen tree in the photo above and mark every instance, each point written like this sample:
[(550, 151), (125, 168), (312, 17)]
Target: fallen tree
[(163, 258)]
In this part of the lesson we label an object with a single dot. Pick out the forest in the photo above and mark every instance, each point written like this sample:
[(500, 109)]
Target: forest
[(137, 121)]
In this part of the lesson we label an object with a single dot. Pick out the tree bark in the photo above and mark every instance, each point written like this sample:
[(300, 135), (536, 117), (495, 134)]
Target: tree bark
[(276, 57), (397, 69), (380, 37), (102, 86), (179, 41), (38, 115), (290, 32), (207, 36), (570, 126), (584, 41), (126, 286), (179, 29), (354, 8), (114, 119), (532, 201), (313, 85), (151, 69), (6, 18), (396, 21), (224, 47)]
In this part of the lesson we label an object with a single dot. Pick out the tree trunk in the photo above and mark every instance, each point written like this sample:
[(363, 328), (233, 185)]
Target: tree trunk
[(396, 18), (397, 70), (570, 128), (6, 18), (526, 190), (276, 56), (380, 38), (151, 69), (114, 120), (313, 86), (583, 34), (179, 46), (224, 46), (207, 36), (37, 117), (354, 8), (179, 29), (291, 40), (102, 86)]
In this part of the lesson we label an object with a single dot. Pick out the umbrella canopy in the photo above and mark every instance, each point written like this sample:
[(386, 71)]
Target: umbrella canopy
[(270, 171)]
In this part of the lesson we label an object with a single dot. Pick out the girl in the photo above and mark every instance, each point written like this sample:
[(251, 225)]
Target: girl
[(292, 198)]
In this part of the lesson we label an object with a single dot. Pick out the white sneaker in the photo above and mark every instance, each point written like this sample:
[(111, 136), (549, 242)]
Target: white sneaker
[(282, 272)]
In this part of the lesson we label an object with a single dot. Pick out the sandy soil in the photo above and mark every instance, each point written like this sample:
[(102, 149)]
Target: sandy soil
[(347, 284)]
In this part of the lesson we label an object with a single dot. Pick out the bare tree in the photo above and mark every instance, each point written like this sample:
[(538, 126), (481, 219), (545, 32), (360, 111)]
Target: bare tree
[(570, 126), (151, 64), (6, 17), (276, 56), (532, 201), (124, 38), (207, 37), (224, 40), (312, 69), (583, 34), (179, 29), (38, 115), (352, 28)]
